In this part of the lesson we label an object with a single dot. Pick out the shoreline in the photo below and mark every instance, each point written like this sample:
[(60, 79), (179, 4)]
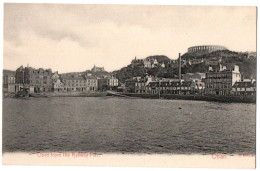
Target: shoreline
[(222, 99)]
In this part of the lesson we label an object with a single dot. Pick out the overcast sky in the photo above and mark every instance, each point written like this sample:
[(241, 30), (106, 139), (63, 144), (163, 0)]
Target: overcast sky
[(71, 38)]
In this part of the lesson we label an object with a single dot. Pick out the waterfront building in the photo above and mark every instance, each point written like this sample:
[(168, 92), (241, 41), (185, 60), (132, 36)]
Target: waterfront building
[(131, 84), (220, 81), (244, 88), (164, 87), (79, 83), (185, 87), (91, 83), (39, 80), (194, 76), (58, 86), (72, 83), (197, 87), (9, 83), (108, 83), (140, 87), (153, 87), (176, 87)]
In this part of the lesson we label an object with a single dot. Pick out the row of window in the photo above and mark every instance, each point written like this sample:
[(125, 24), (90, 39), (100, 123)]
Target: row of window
[(218, 85), (218, 80), (82, 81), (81, 85)]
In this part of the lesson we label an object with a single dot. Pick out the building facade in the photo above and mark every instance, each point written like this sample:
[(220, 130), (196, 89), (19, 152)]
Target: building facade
[(91, 83), (244, 88), (39, 80), (109, 83), (58, 86), (220, 82), (9, 83)]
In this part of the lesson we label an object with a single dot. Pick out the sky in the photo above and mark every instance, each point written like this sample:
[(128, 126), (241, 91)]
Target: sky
[(74, 38)]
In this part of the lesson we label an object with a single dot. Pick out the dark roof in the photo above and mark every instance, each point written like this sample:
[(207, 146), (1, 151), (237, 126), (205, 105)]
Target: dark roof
[(132, 80), (154, 83), (186, 83), (90, 77), (72, 78), (175, 84), (243, 84)]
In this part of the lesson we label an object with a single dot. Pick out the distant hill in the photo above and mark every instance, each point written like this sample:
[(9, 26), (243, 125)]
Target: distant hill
[(218, 53), (139, 70)]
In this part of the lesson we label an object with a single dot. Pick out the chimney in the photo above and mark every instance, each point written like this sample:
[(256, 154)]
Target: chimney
[(180, 67), (242, 77)]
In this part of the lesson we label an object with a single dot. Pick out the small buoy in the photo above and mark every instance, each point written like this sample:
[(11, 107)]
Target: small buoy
[(190, 113), (179, 107)]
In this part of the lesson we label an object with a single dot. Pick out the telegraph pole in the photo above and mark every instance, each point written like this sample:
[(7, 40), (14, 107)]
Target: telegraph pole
[(180, 71), (180, 67)]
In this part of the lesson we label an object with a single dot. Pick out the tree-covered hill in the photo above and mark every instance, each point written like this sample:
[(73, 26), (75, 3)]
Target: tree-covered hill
[(247, 65), (159, 58)]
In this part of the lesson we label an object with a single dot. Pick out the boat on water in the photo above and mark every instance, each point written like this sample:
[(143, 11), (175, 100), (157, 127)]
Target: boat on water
[(22, 95), (37, 95)]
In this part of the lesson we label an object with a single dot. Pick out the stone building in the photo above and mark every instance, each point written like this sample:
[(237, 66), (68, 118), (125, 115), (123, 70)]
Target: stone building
[(220, 82), (97, 69), (39, 80), (57, 85), (206, 48), (79, 83), (9, 83), (244, 88), (91, 83), (108, 83)]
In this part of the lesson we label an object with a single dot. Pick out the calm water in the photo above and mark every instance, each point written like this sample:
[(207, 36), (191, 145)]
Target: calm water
[(118, 125)]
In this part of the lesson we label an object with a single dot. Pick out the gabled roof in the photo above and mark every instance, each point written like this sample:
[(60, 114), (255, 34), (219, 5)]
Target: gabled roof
[(153, 83), (186, 83), (243, 84)]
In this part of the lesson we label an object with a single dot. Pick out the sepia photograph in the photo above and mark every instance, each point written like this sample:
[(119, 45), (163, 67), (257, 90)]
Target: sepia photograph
[(129, 85)]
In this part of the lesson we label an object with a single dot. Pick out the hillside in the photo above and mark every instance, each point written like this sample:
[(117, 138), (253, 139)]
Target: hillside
[(159, 58), (247, 65)]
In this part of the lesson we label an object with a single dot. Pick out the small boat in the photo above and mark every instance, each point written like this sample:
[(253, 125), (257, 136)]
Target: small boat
[(37, 95), (22, 95)]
